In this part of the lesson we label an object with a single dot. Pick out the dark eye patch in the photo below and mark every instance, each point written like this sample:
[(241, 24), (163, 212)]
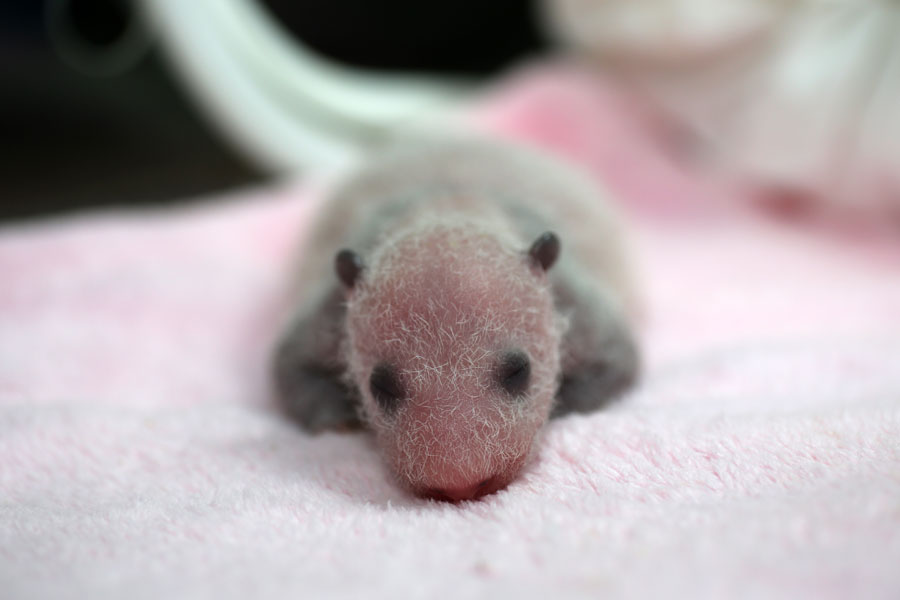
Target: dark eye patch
[(386, 388), (514, 372)]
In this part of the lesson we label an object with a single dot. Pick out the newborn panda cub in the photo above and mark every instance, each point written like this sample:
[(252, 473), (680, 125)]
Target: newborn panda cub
[(464, 292)]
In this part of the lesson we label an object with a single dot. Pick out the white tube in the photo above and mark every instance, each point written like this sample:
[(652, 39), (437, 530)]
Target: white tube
[(283, 107)]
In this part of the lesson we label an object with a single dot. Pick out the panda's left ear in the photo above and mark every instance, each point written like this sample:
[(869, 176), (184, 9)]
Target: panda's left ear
[(545, 250)]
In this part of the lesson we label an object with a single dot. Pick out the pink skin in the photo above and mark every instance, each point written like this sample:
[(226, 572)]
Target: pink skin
[(426, 288), (442, 304)]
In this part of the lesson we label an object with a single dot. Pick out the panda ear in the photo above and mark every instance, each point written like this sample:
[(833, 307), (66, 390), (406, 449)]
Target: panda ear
[(348, 265), (544, 250)]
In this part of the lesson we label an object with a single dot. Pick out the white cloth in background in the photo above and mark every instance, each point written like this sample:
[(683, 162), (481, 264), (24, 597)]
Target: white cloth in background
[(801, 95)]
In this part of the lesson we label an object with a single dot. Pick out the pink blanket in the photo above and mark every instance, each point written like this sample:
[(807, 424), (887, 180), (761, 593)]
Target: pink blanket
[(760, 457)]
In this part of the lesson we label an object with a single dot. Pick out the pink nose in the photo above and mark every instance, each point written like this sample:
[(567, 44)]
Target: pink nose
[(453, 494)]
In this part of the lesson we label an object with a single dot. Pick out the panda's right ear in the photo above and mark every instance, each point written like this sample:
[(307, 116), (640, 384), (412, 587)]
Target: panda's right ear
[(348, 265)]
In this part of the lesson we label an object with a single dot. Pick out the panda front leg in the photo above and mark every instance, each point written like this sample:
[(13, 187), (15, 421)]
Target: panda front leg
[(600, 358), (307, 371)]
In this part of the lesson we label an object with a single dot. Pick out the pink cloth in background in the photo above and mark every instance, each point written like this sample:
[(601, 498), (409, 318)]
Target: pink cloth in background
[(760, 457)]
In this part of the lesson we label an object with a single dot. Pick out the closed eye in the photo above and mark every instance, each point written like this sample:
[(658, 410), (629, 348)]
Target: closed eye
[(514, 372), (386, 388)]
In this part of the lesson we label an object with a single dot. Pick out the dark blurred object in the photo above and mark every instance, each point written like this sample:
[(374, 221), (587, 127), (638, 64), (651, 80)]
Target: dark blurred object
[(97, 37), (90, 115), (82, 127), (460, 37), (100, 22)]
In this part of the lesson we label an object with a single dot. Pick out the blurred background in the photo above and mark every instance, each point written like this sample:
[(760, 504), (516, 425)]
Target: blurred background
[(122, 102), (95, 112), (77, 135)]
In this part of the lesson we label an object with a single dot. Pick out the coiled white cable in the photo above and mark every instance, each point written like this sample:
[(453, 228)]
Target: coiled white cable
[(283, 107)]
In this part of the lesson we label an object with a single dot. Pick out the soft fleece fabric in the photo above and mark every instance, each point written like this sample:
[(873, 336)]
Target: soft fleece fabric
[(140, 456)]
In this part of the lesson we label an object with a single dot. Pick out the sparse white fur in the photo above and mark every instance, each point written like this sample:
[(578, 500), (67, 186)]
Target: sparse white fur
[(447, 344)]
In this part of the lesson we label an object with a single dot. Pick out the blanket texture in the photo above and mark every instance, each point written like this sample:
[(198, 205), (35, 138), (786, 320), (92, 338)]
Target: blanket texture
[(140, 455)]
